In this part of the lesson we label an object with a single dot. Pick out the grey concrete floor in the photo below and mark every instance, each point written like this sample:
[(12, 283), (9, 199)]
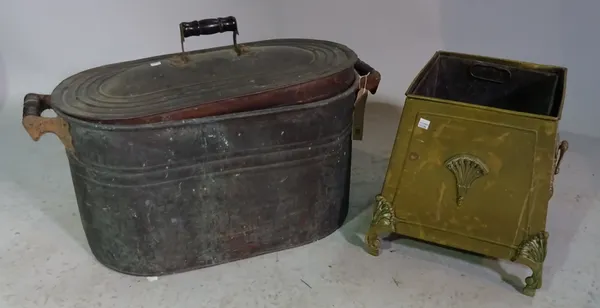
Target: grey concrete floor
[(45, 260)]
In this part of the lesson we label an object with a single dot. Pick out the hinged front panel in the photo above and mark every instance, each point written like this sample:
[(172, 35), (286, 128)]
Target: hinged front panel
[(468, 177)]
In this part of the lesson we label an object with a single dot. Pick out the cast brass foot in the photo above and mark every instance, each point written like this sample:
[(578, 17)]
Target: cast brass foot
[(534, 282), (532, 252), (382, 222)]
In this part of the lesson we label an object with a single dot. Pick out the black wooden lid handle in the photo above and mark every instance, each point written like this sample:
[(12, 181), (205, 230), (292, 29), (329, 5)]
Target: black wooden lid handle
[(210, 26)]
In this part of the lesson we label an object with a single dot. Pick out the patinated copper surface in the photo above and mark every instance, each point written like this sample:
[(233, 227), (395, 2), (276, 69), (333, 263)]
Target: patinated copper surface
[(200, 158)]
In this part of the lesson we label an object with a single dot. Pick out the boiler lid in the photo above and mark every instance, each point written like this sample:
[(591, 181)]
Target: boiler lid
[(208, 82)]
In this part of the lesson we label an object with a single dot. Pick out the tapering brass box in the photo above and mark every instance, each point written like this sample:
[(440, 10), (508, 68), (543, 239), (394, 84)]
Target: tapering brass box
[(474, 159)]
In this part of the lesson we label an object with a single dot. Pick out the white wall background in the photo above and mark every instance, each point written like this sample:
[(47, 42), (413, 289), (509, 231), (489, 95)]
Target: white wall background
[(42, 42)]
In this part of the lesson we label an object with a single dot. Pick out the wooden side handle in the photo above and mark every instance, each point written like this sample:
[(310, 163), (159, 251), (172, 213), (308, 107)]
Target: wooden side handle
[(36, 125)]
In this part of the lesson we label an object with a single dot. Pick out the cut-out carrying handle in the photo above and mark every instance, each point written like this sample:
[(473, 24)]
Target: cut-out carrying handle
[(490, 73)]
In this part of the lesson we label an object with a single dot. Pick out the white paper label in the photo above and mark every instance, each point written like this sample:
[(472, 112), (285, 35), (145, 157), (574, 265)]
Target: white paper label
[(423, 123), (155, 63)]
